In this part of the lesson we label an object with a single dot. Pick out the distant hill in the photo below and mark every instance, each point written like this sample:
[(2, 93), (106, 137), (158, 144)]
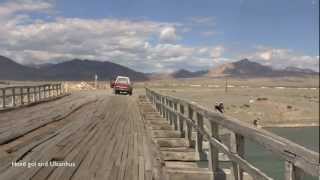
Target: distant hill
[(10, 70), (39, 66), (299, 70), (86, 69), (159, 76), (182, 73), (243, 67), (74, 70), (247, 68)]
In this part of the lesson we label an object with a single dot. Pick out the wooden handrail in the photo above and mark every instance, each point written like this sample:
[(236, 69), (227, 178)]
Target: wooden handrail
[(298, 159), (14, 96)]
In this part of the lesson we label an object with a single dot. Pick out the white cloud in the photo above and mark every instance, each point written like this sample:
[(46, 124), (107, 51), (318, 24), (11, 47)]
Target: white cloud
[(281, 58), (266, 55), (10, 7), (168, 35), (217, 52)]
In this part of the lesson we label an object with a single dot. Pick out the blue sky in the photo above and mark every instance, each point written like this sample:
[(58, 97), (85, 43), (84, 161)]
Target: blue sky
[(290, 24), (164, 35)]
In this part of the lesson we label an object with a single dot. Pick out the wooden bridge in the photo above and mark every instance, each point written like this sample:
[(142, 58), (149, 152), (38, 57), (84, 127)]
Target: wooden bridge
[(97, 135)]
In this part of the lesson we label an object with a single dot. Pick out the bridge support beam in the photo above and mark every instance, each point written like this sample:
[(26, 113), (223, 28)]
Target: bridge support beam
[(292, 172)]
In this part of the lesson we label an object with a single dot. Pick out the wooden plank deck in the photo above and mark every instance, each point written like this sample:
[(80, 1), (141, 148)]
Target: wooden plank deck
[(82, 136)]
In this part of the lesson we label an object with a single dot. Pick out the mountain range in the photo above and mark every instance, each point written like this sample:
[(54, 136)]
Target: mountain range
[(246, 68), (84, 70), (241, 69), (73, 70)]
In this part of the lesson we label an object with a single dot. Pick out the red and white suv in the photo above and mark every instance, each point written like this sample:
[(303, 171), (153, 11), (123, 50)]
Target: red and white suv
[(122, 84)]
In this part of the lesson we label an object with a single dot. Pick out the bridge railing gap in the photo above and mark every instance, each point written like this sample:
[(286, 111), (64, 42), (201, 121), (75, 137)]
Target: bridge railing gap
[(17, 96), (187, 116)]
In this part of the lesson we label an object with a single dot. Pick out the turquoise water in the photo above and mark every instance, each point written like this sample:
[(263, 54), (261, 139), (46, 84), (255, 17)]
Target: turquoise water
[(272, 165)]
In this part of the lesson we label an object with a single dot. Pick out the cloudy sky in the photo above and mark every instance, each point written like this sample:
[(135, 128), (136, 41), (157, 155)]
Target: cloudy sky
[(162, 35)]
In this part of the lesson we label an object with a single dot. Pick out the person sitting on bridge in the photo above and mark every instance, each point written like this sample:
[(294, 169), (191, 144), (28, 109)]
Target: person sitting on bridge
[(219, 107)]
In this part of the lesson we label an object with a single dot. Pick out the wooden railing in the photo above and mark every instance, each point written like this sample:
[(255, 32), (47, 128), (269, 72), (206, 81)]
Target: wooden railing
[(186, 116), (14, 96)]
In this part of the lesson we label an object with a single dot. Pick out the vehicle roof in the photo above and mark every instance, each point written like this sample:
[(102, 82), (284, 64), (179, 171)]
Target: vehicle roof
[(122, 77)]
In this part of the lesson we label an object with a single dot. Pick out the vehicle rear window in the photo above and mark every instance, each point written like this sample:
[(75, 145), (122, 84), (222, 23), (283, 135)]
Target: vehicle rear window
[(122, 80)]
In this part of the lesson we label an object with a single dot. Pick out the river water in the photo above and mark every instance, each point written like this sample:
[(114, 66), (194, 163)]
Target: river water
[(272, 165)]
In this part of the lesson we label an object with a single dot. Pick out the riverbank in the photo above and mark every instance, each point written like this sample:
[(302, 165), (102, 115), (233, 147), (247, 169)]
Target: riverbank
[(291, 125)]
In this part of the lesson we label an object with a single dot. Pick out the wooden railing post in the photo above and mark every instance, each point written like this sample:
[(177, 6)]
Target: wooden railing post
[(56, 89), (199, 138), (13, 97), (175, 116), (292, 172), (50, 91), (42, 92), (39, 93), (34, 94), (189, 127), (181, 121), (163, 107), (159, 105), (53, 90), (237, 144), (59, 87), (28, 94), (21, 96), (166, 110), (3, 98), (45, 91), (213, 156), (170, 115)]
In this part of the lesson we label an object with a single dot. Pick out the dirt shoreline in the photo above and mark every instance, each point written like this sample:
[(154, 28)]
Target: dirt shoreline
[(291, 125)]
